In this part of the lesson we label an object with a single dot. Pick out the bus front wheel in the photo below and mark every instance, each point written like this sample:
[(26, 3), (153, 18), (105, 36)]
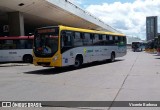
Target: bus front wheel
[(78, 61), (27, 59)]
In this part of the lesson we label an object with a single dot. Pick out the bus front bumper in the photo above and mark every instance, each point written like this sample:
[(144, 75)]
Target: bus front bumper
[(47, 62)]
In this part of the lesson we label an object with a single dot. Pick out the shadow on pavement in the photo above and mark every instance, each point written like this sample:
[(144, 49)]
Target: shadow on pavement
[(51, 71), (11, 64)]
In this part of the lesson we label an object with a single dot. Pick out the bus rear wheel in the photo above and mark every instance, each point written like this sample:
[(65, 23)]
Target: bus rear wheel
[(27, 59), (112, 57)]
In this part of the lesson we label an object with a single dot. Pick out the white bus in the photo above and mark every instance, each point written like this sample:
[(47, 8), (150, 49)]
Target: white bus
[(18, 48), (60, 46)]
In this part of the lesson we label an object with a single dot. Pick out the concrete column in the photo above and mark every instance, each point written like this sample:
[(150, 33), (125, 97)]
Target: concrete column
[(16, 24)]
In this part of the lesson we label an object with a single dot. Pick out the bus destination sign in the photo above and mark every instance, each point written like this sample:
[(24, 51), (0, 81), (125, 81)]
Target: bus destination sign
[(40, 31)]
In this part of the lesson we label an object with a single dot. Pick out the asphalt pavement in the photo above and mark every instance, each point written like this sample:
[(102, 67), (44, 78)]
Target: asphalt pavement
[(134, 77)]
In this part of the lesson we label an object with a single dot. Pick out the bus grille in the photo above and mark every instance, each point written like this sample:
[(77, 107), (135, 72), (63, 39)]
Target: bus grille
[(44, 63)]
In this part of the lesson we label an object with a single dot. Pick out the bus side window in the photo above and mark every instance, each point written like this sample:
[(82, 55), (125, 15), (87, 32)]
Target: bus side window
[(119, 39), (87, 39), (77, 39), (62, 38), (111, 40), (104, 37), (29, 44), (124, 40), (107, 37), (100, 37), (96, 38), (18, 44), (116, 40), (67, 39)]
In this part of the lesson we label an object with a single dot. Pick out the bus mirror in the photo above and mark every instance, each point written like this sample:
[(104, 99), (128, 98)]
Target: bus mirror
[(30, 34)]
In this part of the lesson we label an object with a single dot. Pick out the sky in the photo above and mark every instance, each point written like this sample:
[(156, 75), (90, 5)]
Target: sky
[(127, 16)]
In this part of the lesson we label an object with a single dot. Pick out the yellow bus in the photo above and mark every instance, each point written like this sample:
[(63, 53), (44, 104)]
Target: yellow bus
[(59, 46)]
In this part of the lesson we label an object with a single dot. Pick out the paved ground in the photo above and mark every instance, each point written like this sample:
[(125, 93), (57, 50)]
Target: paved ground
[(135, 77)]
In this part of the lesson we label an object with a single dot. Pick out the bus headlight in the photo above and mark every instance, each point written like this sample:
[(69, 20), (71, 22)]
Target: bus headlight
[(55, 58)]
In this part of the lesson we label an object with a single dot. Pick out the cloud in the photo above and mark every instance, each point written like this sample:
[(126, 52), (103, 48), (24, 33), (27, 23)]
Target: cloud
[(129, 18)]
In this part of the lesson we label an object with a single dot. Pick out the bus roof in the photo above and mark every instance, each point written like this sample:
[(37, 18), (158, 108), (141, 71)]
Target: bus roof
[(88, 30), (82, 30), (16, 37)]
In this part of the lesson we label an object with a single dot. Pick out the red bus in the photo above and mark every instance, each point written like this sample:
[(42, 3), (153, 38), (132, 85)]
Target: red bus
[(16, 48)]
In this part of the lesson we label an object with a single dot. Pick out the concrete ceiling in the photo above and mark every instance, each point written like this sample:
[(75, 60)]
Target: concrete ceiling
[(42, 13)]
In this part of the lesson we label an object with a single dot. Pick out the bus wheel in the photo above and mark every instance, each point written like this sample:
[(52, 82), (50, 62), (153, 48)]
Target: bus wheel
[(27, 58), (78, 61), (112, 57)]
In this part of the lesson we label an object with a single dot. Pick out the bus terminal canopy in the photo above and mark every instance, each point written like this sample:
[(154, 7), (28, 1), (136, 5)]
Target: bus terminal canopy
[(37, 13)]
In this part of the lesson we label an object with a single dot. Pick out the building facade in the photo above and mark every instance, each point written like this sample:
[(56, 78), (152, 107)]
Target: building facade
[(151, 27)]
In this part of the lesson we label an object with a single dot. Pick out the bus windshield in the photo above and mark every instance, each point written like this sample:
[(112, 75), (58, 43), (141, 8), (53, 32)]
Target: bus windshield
[(137, 46), (46, 42)]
